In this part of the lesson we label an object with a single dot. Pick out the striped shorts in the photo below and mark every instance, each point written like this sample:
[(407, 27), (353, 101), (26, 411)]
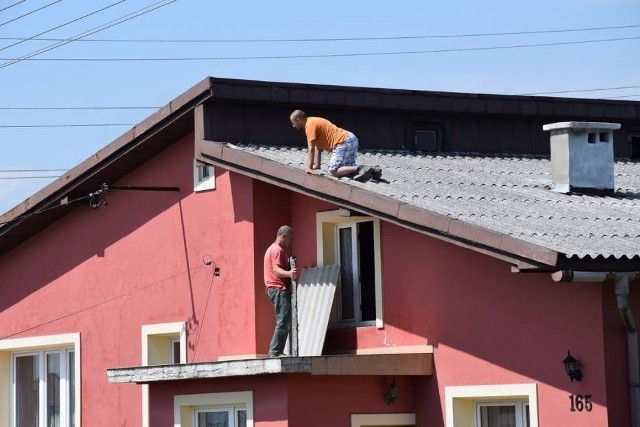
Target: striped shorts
[(344, 154)]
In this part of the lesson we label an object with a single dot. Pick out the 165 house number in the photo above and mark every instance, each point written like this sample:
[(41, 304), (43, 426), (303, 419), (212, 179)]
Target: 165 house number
[(580, 402)]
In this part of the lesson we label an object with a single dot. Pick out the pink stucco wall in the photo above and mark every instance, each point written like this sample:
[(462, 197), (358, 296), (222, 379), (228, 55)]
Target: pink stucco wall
[(106, 272)]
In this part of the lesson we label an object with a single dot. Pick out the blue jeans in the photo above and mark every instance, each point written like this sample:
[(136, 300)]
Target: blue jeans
[(281, 300)]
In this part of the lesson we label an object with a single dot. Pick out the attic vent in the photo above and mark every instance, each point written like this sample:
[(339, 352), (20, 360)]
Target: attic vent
[(582, 156)]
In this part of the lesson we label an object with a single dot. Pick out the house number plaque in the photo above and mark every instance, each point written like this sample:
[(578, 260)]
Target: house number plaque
[(580, 403)]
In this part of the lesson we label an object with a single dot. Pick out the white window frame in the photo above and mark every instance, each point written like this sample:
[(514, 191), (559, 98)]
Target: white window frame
[(171, 331), (201, 183), (32, 345), (461, 402), (186, 405), (365, 420), (341, 218)]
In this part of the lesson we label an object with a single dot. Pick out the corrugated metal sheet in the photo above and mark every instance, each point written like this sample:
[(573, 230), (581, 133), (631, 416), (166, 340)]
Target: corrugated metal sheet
[(316, 289)]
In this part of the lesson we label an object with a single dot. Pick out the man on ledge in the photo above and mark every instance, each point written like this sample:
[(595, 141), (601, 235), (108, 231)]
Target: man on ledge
[(342, 144)]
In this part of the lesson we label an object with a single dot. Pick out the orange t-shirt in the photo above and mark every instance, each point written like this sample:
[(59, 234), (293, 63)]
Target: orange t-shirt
[(326, 134)]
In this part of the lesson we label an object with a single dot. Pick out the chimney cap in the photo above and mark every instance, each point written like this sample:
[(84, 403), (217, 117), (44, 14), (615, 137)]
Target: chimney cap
[(581, 125)]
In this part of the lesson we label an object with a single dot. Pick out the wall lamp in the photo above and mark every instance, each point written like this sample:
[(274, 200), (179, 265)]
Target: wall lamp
[(391, 394), (572, 368)]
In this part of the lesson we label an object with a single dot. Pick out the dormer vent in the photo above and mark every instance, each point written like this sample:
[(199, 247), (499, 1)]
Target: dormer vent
[(582, 156)]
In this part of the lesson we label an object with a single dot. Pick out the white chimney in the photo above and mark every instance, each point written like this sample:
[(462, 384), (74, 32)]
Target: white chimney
[(582, 156)]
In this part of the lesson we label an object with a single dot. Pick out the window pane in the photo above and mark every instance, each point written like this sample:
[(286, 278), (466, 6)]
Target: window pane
[(53, 389), (27, 391), (72, 388), (346, 273), (498, 416), (213, 419), (242, 418), (367, 271), (175, 351)]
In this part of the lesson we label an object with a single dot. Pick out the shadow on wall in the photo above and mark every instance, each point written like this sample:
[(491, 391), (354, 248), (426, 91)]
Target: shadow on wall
[(86, 234)]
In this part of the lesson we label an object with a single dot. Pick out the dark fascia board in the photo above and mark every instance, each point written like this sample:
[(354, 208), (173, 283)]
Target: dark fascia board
[(348, 196), (54, 193), (420, 100)]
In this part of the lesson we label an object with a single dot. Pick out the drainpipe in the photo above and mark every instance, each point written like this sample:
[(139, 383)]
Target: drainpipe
[(622, 297)]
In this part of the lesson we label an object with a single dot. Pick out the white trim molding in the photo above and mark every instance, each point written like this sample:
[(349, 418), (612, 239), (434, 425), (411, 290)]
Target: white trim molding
[(458, 399), (184, 405)]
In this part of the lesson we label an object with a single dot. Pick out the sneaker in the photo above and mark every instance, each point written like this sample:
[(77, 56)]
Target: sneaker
[(376, 173), (363, 174)]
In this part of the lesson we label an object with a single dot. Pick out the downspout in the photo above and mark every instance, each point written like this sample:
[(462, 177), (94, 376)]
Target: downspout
[(622, 297)]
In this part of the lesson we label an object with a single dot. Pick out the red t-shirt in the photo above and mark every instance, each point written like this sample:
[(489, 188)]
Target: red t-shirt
[(275, 255)]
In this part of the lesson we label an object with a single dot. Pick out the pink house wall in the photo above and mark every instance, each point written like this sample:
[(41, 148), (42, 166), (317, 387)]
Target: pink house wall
[(106, 272), (488, 325)]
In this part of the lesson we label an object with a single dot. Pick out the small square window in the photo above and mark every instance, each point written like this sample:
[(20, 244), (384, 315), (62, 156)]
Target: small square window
[(203, 177), (604, 136), (426, 140), (426, 136), (591, 138)]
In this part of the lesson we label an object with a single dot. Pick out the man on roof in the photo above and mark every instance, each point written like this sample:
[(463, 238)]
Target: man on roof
[(343, 145)]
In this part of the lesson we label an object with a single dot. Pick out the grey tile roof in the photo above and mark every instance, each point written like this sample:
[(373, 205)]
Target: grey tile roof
[(509, 195)]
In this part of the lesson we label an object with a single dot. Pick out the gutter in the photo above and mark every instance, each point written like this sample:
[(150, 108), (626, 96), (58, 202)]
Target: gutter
[(622, 296)]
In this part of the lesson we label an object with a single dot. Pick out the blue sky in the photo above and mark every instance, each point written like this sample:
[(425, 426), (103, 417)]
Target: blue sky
[(56, 83)]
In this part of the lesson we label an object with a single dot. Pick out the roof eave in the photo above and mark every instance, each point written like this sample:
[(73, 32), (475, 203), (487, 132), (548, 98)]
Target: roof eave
[(89, 170)]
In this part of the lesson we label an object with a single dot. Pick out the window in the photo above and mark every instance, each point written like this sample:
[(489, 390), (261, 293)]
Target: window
[(427, 137), (502, 414), (354, 243), (507, 405), (42, 377), (634, 139), (221, 417), (203, 177), (162, 344), (213, 410)]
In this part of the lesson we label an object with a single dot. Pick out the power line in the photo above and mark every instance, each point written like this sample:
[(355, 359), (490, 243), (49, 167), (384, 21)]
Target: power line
[(25, 216), (31, 170), (318, 56), (29, 177), (11, 5), (112, 23), (68, 125), (29, 13), (62, 25), (580, 90), (622, 96), (336, 39), (81, 108), (189, 270)]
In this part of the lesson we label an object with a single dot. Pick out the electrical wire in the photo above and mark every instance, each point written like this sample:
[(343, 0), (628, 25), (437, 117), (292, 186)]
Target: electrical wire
[(29, 13), (580, 90), (106, 301), (62, 25), (81, 108), (30, 170), (338, 39), (25, 216), (112, 23), (29, 177), (318, 56), (11, 5), (68, 125)]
